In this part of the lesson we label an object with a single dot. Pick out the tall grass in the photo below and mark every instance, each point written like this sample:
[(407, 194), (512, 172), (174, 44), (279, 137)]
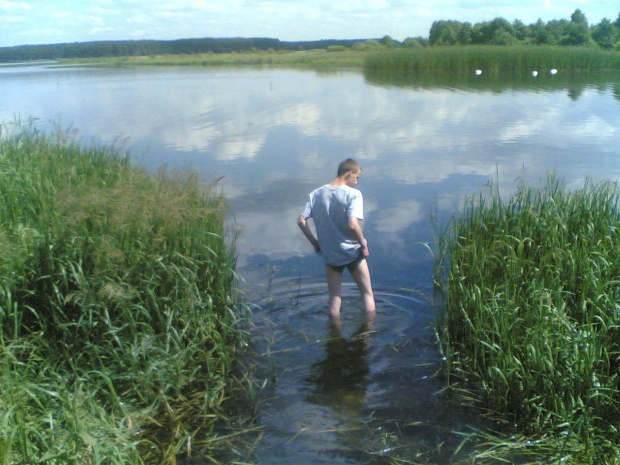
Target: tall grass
[(332, 58), (491, 60), (532, 287), (117, 311)]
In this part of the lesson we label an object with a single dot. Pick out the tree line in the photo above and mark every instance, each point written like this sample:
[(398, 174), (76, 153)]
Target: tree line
[(574, 32), (101, 49)]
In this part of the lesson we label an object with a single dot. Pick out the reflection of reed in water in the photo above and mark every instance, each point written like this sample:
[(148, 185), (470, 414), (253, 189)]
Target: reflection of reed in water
[(340, 379)]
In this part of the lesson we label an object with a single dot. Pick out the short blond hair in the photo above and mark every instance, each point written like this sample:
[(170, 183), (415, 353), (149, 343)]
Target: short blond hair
[(348, 165)]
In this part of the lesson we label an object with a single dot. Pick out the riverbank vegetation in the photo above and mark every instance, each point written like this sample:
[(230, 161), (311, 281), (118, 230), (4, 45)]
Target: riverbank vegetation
[(382, 64), (118, 320), (499, 31), (532, 286), (335, 57), (182, 47), (491, 60)]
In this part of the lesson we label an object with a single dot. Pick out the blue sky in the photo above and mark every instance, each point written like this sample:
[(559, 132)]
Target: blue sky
[(58, 21)]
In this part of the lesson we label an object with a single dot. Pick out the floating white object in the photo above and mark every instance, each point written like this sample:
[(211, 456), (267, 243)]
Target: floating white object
[(478, 72), (534, 73), (554, 71)]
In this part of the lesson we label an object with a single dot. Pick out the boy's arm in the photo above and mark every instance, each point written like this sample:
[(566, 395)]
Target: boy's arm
[(358, 235), (305, 228)]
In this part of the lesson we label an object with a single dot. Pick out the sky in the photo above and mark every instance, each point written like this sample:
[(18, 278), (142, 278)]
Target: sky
[(61, 21)]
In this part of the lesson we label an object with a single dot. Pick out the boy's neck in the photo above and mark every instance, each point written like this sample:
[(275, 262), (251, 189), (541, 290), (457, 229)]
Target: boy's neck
[(339, 181)]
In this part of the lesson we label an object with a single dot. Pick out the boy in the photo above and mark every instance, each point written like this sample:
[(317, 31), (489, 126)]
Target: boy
[(336, 209)]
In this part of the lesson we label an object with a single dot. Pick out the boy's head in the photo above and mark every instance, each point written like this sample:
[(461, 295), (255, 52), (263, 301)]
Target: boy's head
[(350, 170), (349, 165)]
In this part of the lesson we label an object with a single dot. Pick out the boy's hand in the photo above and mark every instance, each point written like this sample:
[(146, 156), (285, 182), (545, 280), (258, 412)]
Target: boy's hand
[(365, 251)]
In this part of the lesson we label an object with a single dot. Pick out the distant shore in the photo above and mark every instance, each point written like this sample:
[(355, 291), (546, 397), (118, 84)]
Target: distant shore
[(442, 60), (308, 58), (29, 63)]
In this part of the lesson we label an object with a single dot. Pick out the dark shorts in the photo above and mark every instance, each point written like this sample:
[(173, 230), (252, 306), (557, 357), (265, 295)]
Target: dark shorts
[(350, 266)]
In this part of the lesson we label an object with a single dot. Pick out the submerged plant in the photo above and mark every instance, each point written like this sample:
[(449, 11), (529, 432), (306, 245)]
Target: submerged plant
[(118, 320), (532, 288)]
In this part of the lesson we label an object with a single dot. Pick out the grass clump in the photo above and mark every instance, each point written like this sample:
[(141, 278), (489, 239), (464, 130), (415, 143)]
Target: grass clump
[(118, 323), (532, 287), (491, 60)]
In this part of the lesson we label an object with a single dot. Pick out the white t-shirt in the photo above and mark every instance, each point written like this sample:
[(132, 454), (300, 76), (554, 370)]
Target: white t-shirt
[(331, 207)]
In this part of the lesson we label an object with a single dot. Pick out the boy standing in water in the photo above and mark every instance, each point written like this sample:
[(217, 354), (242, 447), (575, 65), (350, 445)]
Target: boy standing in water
[(336, 209)]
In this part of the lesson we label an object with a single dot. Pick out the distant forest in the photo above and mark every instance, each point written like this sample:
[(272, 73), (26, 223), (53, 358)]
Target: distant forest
[(573, 32), (157, 47), (570, 32)]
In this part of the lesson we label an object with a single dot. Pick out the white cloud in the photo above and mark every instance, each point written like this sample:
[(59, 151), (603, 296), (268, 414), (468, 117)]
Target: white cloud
[(99, 30), (60, 15), (138, 19), (285, 20), (6, 5)]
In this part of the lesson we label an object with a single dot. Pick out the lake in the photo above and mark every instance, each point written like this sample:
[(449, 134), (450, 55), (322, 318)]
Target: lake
[(367, 390)]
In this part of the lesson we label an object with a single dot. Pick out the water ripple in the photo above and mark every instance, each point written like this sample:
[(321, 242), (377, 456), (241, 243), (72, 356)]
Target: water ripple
[(332, 389)]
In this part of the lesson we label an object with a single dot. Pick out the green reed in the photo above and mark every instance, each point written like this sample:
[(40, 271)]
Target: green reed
[(338, 58), (118, 319), (532, 288), (491, 60)]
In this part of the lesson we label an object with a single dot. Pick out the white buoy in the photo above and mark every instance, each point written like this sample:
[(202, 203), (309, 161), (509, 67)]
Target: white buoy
[(554, 71), (534, 73), (478, 72)]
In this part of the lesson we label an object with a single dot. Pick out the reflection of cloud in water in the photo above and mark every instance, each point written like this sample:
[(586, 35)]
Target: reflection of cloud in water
[(316, 166), (399, 217), (242, 136), (240, 139), (427, 133), (552, 121), (593, 126), (241, 147), (273, 233), (432, 170), (186, 139), (306, 115)]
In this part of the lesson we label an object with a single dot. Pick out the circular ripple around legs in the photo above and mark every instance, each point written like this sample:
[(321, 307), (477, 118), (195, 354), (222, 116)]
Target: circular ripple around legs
[(334, 386)]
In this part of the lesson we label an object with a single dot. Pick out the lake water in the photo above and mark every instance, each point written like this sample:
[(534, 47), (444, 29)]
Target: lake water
[(366, 391)]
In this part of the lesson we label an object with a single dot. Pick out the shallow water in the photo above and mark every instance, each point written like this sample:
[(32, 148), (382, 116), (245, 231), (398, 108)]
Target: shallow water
[(352, 390), (367, 391)]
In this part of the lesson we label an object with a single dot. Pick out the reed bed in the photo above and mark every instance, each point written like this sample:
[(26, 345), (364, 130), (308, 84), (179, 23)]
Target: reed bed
[(118, 319), (532, 319), (291, 59), (491, 60)]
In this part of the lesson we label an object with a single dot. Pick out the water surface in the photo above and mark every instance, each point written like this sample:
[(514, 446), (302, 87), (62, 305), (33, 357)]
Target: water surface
[(361, 391)]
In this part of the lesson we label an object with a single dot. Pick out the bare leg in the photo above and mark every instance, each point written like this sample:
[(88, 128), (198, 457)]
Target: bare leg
[(361, 276), (334, 285), (335, 323)]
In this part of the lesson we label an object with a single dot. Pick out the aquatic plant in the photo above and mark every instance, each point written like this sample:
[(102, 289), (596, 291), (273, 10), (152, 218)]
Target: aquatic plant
[(491, 60), (532, 287), (118, 320)]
